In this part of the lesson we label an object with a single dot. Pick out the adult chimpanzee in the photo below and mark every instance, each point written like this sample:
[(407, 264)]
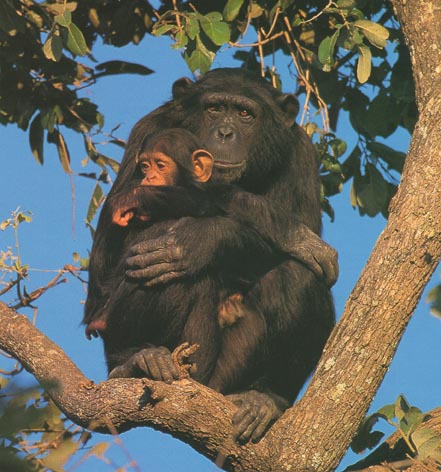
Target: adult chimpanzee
[(249, 127)]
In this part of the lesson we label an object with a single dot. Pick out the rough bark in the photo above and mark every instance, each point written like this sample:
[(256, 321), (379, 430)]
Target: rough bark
[(318, 430), (315, 433), (187, 410)]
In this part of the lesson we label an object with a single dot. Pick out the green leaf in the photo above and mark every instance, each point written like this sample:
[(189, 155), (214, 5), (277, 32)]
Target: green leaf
[(364, 63), (53, 47), (4, 380), (401, 407), (394, 159), (232, 9), (382, 116), (95, 202), (326, 49), (192, 26), (48, 121), (36, 136), (161, 30), (387, 412), (122, 67), (75, 41), (181, 39), (346, 4), (372, 192), (198, 61), (213, 26), (376, 34), (338, 147), (365, 437), (56, 458), (353, 195), (63, 153), (201, 58), (427, 443), (411, 420), (255, 11), (64, 19), (331, 164), (59, 8), (434, 298)]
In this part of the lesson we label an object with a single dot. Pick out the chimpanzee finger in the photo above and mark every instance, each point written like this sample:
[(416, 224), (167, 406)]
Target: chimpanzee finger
[(169, 372), (165, 278), (236, 398), (151, 258), (244, 424), (263, 421), (148, 246), (314, 265), (140, 363), (141, 262), (148, 363), (156, 273), (333, 271)]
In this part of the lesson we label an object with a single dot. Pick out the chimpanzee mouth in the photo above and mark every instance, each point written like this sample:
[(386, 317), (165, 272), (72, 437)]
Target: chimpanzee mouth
[(228, 165)]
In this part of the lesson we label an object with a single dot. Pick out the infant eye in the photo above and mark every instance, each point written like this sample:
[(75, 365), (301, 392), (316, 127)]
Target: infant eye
[(145, 166), (161, 165)]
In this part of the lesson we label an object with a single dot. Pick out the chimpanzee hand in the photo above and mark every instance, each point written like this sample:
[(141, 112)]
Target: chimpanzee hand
[(174, 254), (257, 412), (319, 256), (156, 363)]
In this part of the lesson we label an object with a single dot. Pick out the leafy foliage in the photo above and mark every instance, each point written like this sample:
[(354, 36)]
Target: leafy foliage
[(31, 426), (434, 298), (421, 441), (334, 47)]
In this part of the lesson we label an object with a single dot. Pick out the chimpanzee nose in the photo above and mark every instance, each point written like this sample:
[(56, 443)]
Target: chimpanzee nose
[(225, 132)]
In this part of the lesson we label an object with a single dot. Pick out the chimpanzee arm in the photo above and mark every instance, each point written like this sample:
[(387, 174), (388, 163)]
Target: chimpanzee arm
[(159, 203), (251, 239), (223, 244), (286, 233)]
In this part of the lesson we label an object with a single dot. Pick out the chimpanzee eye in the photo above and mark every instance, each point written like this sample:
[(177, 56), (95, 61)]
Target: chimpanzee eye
[(144, 166), (215, 108), (161, 165)]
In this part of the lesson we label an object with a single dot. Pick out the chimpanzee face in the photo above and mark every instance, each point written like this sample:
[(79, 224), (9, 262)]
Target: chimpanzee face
[(228, 129), (157, 169)]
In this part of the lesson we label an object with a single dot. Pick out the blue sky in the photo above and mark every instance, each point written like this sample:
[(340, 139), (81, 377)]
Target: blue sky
[(58, 230)]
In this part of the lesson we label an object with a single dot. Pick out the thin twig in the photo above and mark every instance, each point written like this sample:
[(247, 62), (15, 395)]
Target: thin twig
[(320, 13)]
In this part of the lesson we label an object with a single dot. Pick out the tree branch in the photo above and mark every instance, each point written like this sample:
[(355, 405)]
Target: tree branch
[(187, 410)]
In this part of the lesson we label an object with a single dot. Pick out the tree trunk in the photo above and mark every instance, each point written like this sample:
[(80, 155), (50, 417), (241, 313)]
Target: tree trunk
[(318, 430)]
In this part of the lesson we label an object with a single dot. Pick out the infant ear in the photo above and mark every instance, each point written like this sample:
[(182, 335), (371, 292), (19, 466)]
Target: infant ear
[(202, 165)]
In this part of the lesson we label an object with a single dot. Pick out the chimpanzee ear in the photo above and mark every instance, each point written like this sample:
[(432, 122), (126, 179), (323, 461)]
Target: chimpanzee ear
[(290, 106), (203, 163), (181, 86)]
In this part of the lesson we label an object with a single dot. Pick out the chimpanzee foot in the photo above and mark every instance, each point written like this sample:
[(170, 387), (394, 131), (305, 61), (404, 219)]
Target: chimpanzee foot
[(156, 363), (257, 412)]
